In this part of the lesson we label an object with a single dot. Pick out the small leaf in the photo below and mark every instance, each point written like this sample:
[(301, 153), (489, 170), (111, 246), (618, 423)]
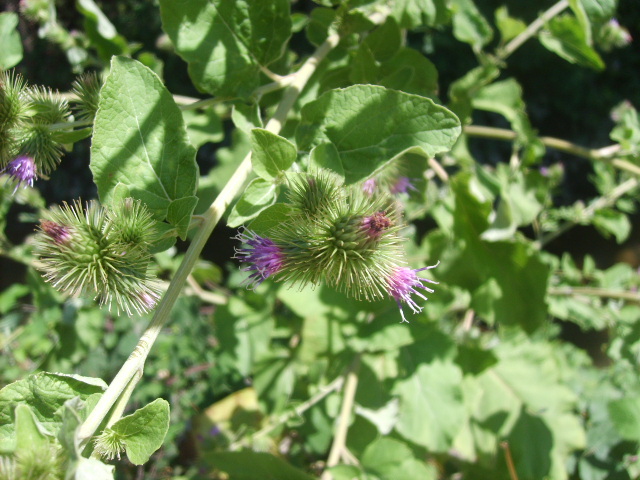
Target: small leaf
[(91, 469), (11, 51), (369, 125), (470, 26), (258, 195), (140, 146), (272, 154), (612, 222), (326, 156), (144, 430)]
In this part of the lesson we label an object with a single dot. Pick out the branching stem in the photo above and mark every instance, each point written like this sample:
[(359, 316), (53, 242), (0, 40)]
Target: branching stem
[(533, 28), (211, 217)]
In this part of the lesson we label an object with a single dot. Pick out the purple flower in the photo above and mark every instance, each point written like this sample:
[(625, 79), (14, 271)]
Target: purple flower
[(369, 186), (375, 225), (263, 255), (22, 170), (403, 283), (402, 185), (59, 233)]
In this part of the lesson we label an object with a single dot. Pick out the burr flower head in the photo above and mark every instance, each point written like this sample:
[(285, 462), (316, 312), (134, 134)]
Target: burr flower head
[(22, 171), (82, 251), (402, 284)]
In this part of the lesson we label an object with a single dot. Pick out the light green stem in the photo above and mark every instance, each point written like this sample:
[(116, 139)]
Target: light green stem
[(340, 438), (532, 29), (633, 297), (210, 219)]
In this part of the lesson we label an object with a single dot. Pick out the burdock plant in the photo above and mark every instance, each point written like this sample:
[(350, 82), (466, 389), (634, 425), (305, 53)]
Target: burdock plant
[(101, 252), (342, 235)]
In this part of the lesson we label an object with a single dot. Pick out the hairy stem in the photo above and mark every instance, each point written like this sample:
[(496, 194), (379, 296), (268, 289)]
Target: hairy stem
[(340, 438), (532, 29)]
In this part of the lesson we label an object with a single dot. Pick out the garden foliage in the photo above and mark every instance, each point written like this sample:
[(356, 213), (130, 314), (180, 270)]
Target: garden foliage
[(359, 186)]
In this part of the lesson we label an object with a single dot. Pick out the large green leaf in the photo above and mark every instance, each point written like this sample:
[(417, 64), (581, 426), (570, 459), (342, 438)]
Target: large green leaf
[(227, 42), (431, 411), (369, 125), (140, 146)]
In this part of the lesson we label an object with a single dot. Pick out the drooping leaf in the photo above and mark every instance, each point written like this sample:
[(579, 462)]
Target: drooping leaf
[(144, 430), (469, 25), (370, 125), (140, 147), (566, 38), (226, 43)]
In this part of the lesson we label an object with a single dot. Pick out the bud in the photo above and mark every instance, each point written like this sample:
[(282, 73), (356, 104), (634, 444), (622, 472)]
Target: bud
[(401, 185), (87, 88), (99, 252), (402, 283), (109, 444), (310, 194), (21, 171)]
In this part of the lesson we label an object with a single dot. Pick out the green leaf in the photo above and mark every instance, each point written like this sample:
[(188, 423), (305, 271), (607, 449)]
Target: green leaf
[(326, 156), (431, 406), (247, 465), (565, 37), (385, 40), (272, 154), (392, 459), (269, 218), (370, 125), (410, 72), (226, 43), (144, 430), (45, 393), (101, 32), (203, 127), (612, 222), (29, 433), (415, 13), (469, 25), (140, 147), (625, 416), (9, 297), (258, 195), (509, 27), (11, 51)]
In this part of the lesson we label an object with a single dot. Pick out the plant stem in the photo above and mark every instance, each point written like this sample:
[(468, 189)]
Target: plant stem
[(604, 153), (602, 202), (340, 438), (211, 217), (595, 292), (532, 29), (298, 411)]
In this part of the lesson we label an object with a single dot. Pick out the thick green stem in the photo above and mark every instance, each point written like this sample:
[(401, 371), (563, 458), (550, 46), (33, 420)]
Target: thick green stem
[(210, 219)]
